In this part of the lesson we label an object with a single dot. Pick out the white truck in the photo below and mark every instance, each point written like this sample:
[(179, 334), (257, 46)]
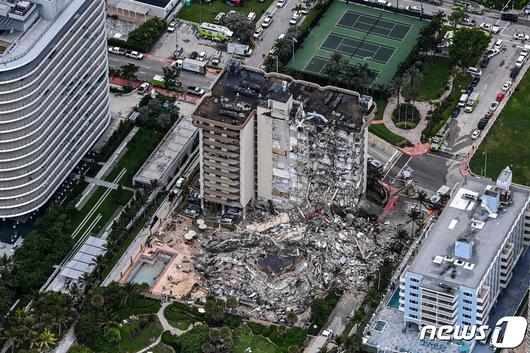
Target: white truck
[(191, 65), (239, 49)]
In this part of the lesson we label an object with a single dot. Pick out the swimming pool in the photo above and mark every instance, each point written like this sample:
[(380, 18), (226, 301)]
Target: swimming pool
[(394, 300), (149, 270)]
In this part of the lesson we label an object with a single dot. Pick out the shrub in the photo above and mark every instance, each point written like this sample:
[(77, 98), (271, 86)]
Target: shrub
[(257, 329)]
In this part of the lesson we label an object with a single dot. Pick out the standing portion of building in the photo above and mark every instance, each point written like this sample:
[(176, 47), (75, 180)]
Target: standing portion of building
[(269, 137), (468, 255), (54, 101)]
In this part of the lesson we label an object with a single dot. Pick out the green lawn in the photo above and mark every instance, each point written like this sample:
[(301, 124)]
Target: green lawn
[(141, 306), (435, 73), (382, 131), (206, 13), (507, 142), (133, 342), (381, 105), (244, 341), (138, 150), (181, 316)]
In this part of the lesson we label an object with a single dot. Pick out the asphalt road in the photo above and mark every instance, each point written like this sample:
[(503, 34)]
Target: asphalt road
[(151, 66), (279, 25)]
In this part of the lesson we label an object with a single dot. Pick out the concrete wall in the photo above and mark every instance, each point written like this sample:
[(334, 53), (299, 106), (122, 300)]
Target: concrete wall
[(246, 145), (264, 154)]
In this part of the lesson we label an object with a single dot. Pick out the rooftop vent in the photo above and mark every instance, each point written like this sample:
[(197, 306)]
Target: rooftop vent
[(463, 248), (504, 181)]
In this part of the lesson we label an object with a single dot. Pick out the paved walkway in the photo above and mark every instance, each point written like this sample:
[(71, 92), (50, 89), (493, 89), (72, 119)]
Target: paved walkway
[(413, 135)]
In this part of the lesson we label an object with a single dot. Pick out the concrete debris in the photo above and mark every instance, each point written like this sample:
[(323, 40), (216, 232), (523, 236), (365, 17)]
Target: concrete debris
[(282, 263)]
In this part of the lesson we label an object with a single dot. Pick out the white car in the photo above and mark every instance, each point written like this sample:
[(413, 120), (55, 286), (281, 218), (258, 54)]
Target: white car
[(117, 51), (506, 86), (143, 88), (258, 32), (486, 26), (413, 8), (384, 3), (171, 27), (475, 134), (219, 17), (251, 16), (521, 36), (266, 22), (135, 55), (196, 91), (524, 52), (202, 56), (495, 29), (327, 333), (490, 53), (520, 61), (280, 3)]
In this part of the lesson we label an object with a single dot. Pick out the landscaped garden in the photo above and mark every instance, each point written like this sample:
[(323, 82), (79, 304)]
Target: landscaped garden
[(406, 116), (181, 316), (435, 73), (380, 130), (507, 142)]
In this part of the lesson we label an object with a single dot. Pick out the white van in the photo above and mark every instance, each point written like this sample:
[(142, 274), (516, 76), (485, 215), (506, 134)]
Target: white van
[(520, 61), (498, 44), (463, 99), (251, 16), (474, 71)]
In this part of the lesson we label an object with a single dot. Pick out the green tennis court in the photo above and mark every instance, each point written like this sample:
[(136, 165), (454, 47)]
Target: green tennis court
[(362, 35)]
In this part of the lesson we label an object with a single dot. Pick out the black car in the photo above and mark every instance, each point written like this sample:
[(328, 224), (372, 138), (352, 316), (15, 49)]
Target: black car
[(455, 113), (469, 90), (514, 72), (482, 124), (194, 55), (475, 81), (484, 62), (512, 17)]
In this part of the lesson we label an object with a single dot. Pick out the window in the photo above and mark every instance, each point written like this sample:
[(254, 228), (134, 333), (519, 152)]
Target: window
[(415, 280), (413, 316), (467, 294), (414, 287), (413, 301), (413, 294), (466, 308), (466, 323), (413, 309), (467, 301), (467, 316)]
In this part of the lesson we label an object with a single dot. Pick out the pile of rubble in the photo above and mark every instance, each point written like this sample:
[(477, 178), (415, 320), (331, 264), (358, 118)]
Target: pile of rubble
[(284, 262)]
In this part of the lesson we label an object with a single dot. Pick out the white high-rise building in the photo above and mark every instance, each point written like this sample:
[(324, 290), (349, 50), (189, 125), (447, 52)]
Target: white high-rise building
[(54, 101)]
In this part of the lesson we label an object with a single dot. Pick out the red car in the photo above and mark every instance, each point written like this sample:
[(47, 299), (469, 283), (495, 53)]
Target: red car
[(500, 96), (488, 115)]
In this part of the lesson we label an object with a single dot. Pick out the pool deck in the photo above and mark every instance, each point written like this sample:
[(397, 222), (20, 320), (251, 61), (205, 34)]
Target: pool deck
[(178, 277)]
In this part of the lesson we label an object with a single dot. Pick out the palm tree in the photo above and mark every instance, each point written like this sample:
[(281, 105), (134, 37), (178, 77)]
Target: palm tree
[(414, 216), (397, 86), (97, 301), (46, 340), (422, 198), (231, 303), (11, 335), (154, 184), (106, 319), (130, 290), (283, 48)]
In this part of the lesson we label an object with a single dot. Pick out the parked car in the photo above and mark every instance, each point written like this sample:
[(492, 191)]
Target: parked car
[(495, 29), (143, 88), (469, 90), (117, 51), (520, 61), (201, 56), (488, 115), (498, 44), (490, 53), (475, 81), (475, 134), (474, 71), (455, 113), (486, 26), (251, 16), (219, 17), (194, 55), (484, 62), (280, 3), (196, 91), (375, 163), (216, 60), (258, 32), (413, 8), (171, 27), (514, 71), (135, 55), (494, 106), (266, 22), (521, 36), (524, 52), (469, 22), (500, 96), (507, 86), (482, 124)]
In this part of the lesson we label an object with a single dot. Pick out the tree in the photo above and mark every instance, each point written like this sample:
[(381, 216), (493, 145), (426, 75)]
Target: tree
[(468, 45), (170, 74), (240, 25), (46, 340), (231, 303), (154, 184), (128, 72), (422, 198), (214, 309), (113, 336), (218, 341), (457, 17), (414, 216), (320, 310), (283, 48), (292, 318), (130, 290)]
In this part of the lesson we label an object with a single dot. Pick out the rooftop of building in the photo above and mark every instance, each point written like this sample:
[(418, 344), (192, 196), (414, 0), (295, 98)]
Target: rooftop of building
[(240, 90), (479, 224), (158, 3), (28, 27)]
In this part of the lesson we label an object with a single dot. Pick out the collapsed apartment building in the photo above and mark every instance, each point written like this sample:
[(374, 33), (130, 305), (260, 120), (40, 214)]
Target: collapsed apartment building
[(292, 155), (269, 137)]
